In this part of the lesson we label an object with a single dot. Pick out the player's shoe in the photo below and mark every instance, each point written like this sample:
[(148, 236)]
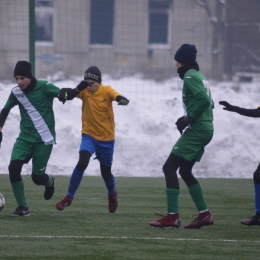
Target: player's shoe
[(170, 220), (49, 191), (112, 203), (64, 203), (20, 212), (253, 221), (204, 219)]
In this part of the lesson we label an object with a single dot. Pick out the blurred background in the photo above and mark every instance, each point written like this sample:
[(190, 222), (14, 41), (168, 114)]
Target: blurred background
[(125, 37)]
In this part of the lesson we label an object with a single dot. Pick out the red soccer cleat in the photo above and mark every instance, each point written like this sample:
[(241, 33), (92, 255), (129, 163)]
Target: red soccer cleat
[(204, 219), (112, 203), (64, 203), (170, 220)]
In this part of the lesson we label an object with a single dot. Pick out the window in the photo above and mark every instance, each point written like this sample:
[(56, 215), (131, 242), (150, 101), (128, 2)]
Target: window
[(159, 17), (101, 22), (44, 21)]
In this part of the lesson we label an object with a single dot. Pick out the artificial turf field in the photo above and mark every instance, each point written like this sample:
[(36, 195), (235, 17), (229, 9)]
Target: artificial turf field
[(86, 230)]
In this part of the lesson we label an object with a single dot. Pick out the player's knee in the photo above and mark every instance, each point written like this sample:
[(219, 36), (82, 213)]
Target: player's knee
[(82, 165), (106, 172), (166, 170), (39, 180), (15, 168), (84, 157)]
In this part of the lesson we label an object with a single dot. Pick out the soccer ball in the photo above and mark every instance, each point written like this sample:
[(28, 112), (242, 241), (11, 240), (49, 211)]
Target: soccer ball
[(2, 202)]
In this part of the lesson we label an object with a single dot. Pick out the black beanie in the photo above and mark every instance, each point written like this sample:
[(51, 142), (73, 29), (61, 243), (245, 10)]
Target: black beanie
[(186, 53), (23, 68), (93, 73)]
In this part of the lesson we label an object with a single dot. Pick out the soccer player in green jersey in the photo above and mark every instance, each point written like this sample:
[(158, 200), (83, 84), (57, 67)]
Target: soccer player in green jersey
[(198, 122), (37, 132)]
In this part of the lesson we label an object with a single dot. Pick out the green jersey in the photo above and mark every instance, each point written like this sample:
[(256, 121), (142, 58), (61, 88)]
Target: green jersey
[(37, 117), (197, 100)]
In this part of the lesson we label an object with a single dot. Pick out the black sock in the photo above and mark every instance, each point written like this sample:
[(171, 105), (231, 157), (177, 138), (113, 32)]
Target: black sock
[(257, 214)]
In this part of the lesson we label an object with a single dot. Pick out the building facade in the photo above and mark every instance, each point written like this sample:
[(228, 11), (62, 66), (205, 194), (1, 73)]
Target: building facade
[(122, 37)]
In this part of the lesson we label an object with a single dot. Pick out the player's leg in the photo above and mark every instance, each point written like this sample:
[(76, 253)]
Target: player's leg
[(78, 172), (104, 153), (172, 193), (255, 220), (194, 147), (20, 155), (40, 158), (85, 152)]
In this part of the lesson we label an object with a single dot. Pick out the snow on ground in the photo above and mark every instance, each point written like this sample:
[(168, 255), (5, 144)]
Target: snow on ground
[(146, 131)]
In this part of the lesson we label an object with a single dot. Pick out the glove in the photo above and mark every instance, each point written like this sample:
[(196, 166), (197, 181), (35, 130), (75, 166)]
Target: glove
[(1, 137), (63, 95), (179, 119), (123, 101), (182, 123), (228, 107), (82, 85)]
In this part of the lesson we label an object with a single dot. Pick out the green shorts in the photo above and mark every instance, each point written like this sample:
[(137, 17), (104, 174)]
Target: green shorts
[(190, 146), (38, 152)]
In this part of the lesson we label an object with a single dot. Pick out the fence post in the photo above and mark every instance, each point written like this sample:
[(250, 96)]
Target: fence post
[(32, 34)]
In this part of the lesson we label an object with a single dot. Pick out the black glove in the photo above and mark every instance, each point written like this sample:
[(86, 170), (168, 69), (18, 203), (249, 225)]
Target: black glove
[(182, 123), (123, 101), (63, 95), (1, 137), (82, 85), (179, 119), (228, 107)]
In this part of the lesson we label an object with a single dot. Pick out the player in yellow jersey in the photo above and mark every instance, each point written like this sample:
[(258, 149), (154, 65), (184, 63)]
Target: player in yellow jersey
[(98, 132)]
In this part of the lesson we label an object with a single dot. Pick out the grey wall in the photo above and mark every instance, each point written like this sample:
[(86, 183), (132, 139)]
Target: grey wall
[(130, 52)]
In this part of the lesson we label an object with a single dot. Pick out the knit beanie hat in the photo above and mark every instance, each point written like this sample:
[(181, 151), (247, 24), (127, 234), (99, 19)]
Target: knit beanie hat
[(23, 68), (186, 53), (93, 73)]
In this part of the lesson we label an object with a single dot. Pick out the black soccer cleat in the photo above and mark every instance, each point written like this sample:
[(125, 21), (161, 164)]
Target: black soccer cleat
[(253, 221), (21, 211), (49, 191)]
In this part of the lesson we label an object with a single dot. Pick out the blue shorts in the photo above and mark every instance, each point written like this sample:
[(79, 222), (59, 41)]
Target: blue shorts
[(104, 150)]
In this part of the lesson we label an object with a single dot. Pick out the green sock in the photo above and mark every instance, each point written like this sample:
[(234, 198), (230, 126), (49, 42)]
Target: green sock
[(49, 182), (18, 190), (172, 196), (197, 196)]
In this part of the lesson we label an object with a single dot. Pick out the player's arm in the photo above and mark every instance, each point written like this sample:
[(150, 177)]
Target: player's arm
[(3, 116), (242, 111), (203, 101), (70, 93), (10, 103)]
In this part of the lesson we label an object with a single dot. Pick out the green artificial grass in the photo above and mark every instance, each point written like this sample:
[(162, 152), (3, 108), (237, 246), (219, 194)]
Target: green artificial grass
[(86, 230)]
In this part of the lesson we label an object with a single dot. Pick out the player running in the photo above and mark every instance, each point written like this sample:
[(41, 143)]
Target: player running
[(37, 132), (98, 133)]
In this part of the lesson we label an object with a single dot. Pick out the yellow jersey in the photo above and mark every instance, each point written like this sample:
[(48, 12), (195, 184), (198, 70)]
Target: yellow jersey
[(97, 113)]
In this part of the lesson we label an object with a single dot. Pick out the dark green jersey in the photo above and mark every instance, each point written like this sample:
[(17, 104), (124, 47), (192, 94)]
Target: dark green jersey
[(37, 117), (197, 100)]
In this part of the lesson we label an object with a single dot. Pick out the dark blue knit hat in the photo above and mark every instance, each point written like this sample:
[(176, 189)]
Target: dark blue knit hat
[(186, 53)]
